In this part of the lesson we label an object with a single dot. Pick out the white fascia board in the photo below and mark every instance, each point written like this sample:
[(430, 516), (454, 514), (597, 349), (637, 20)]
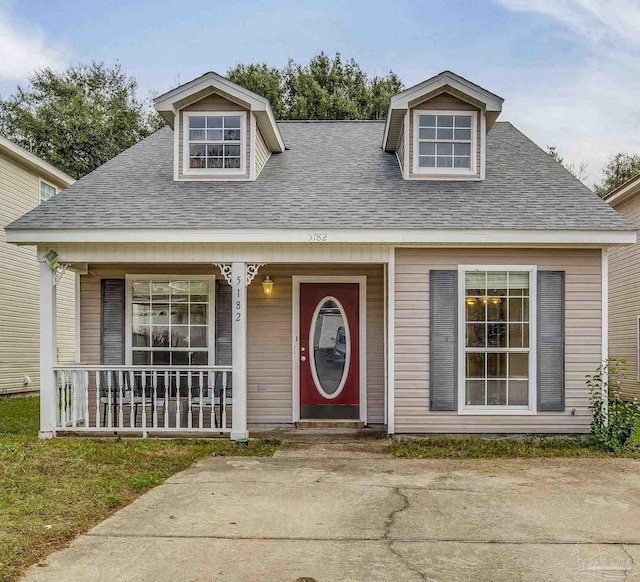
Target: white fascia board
[(409, 237), (45, 168), (623, 192)]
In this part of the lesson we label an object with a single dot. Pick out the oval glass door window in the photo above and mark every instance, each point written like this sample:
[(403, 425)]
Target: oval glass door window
[(331, 350)]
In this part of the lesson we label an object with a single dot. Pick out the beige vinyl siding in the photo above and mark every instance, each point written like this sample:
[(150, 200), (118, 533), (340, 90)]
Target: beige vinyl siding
[(213, 103), (269, 330), (624, 301), (400, 148), (262, 152), (583, 338), (20, 290), (443, 102)]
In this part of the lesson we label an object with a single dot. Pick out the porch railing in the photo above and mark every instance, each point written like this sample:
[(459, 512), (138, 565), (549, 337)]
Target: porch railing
[(143, 399)]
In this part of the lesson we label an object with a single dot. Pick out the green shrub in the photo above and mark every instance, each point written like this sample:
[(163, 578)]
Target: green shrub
[(615, 424)]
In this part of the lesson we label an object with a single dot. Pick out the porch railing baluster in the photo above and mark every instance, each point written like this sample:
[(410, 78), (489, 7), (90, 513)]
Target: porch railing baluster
[(189, 419), (74, 398), (144, 402), (166, 400), (85, 390), (63, 398), (98, 399), (110, 400), (177, 399), (120, 399), (223, 402), (154, 400)]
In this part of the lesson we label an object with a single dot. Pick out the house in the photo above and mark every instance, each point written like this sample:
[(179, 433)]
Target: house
[(433, 273), (25, 182), (624, 303)]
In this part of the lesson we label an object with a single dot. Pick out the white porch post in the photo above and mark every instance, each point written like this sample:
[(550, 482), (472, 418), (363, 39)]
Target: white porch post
[(48, 351), (239, 350)]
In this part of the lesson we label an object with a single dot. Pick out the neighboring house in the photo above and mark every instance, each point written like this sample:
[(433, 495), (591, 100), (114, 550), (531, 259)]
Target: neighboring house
[(437, 272), (25, 182), (624, 283)]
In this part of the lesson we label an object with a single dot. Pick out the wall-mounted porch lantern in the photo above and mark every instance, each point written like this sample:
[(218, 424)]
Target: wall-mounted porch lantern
[(267, 285)]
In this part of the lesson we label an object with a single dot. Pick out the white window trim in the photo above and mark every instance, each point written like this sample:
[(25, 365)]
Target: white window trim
[(463, 409), (445, 172), (187, 171), (41, 182), (211, 319)]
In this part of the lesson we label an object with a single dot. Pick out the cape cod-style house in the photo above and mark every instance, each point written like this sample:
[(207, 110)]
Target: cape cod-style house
[(436, 272)]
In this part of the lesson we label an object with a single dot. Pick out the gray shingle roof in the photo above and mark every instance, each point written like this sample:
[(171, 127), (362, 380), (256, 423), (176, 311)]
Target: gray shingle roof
[(334, 175)]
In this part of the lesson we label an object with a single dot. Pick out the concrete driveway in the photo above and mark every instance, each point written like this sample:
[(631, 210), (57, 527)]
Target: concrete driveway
[(329, 512)]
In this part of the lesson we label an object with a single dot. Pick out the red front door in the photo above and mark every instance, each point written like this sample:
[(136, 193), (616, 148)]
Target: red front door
[(329, 350)]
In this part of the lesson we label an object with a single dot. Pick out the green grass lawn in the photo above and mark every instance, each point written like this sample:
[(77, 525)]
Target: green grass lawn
[(487, 448), (50, 491)]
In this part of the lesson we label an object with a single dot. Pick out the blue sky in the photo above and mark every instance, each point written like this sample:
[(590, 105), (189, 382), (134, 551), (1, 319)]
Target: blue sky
[(566, 68)]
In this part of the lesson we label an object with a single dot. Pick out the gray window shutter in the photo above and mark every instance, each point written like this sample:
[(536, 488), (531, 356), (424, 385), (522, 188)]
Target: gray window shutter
[(224, 318), (112, 322), (550, 348), (223, 323), (443, 355)]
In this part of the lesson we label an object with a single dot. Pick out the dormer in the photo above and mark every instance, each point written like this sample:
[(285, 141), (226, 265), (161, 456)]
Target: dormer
[(222, 131), (438, 128)]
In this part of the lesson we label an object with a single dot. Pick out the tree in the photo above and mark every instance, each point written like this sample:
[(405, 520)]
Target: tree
[(264, 80), (77, 119), (619, 169), (325, 88), (578, 170)]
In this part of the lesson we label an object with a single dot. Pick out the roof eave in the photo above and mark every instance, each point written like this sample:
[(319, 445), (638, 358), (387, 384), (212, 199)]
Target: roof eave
[(624, 191), (45, 169), (406, 236)]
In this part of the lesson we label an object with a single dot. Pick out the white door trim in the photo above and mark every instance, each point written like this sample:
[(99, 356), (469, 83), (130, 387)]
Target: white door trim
[(362, 283)]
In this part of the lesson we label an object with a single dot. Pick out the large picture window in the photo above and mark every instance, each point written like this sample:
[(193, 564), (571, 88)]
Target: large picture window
[(497, 331), (215, 142), (171, 321)]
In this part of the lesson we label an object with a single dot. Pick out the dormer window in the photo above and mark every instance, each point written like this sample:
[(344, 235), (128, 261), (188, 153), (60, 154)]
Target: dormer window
[(446, 142), (215, 143)]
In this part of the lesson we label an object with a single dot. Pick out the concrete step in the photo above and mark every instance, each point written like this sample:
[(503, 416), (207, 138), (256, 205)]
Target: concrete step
[(330, 424)]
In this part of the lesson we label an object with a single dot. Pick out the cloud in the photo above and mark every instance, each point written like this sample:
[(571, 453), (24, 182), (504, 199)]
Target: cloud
[(589, 109), (24, 50)]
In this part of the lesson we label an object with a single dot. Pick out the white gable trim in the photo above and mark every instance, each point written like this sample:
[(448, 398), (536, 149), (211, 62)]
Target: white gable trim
[(454, 237), (170, 100)]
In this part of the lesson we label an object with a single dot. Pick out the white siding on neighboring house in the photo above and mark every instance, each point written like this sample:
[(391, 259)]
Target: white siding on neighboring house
[(583, 336), (19, 288)]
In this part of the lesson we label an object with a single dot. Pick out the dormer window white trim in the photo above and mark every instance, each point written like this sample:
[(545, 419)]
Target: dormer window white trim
[(445, 143), (214, 143)]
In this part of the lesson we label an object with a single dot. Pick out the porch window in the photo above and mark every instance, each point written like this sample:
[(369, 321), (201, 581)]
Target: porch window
[(215, 142), (170, 321), (498, 338)]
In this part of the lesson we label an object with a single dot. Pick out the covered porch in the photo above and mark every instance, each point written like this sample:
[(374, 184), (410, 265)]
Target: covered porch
[(188, 347)]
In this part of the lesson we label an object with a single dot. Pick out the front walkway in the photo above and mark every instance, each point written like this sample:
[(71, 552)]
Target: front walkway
[(346, 511)]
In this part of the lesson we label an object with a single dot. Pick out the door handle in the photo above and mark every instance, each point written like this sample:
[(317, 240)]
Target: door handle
[(303, 359)]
